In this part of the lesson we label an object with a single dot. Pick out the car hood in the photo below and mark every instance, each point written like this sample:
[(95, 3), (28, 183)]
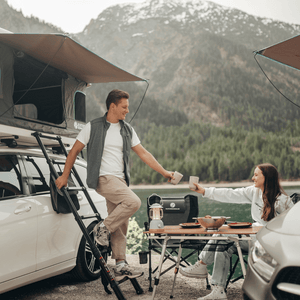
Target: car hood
[(287, 222)]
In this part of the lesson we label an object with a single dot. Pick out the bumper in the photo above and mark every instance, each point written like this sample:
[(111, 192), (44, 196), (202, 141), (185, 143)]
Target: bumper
[(255, 288)]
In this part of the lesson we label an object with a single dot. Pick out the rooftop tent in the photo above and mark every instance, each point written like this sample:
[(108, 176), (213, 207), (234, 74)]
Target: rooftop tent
[(43, 78), (286, 52)]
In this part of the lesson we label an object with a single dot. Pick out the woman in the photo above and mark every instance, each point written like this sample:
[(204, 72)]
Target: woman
[(267, 199)]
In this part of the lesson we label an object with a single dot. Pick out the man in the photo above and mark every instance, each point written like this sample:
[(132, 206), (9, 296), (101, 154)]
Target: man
[(109, 140)]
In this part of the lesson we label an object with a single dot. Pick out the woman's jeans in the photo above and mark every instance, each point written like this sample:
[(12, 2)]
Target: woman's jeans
[(212, 252)]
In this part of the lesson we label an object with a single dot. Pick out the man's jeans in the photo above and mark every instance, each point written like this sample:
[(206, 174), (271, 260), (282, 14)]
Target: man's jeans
[(121, 203)]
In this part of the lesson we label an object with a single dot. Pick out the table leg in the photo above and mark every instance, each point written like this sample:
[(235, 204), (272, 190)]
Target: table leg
[(249, 243), (241, 258), (176, 268), (236, 240), (157, 275)]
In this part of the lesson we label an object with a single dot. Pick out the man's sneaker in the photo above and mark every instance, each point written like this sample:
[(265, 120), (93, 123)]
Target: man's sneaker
[(218, 293), (197, 270), (124, 270), (101, 234)]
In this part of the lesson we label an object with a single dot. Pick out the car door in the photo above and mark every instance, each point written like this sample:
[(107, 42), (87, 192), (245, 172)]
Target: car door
[(18, 221), (58, 234)]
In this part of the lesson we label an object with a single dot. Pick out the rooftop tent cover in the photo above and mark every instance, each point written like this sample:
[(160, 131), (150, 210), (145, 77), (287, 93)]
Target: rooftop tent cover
[(286, 52), (42, 77), (67, 55)]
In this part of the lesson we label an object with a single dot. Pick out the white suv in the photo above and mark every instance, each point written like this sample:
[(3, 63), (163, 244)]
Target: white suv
[(37, 242), (274, 261)]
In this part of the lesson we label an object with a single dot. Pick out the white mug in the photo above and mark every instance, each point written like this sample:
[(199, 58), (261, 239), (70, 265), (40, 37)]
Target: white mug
[(177, 176), (193, 179)]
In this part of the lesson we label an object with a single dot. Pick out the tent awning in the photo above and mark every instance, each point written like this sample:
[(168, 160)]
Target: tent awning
[(65, 54), (286, 52)]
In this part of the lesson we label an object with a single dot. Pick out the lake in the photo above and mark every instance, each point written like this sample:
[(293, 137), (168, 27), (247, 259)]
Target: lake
[(237, 212)]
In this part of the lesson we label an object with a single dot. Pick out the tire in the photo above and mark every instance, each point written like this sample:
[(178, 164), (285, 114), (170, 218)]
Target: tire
[(87, 267)]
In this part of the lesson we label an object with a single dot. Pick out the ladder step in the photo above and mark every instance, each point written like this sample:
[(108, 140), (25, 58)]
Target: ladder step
[(57, 138), (58, 162), (75, 188), (90, 216)]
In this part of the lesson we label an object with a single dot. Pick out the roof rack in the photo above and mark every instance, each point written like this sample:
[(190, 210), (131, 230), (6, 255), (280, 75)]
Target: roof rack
[(10, 142)]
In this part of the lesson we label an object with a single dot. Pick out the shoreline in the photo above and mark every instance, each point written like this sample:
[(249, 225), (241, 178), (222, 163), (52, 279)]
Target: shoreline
[(185, 185)]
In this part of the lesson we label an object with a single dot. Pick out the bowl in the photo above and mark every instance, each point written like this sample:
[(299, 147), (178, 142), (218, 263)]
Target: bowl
[(209, 222)]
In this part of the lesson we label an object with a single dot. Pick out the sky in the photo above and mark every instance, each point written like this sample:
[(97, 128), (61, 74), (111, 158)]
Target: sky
[(73, 15)]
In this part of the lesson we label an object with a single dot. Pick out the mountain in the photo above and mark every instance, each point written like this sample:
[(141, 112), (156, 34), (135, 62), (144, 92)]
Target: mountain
[(198, 57), (14, 21)]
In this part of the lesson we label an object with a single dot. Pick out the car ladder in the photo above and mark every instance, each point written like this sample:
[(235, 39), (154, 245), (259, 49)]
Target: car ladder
[(108, 275)]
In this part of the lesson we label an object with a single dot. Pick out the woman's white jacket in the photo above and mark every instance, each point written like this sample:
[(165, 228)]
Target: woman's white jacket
[(250, 195)]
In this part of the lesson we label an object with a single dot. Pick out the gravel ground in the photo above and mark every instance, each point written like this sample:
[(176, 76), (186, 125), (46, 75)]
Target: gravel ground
[(63, 287)]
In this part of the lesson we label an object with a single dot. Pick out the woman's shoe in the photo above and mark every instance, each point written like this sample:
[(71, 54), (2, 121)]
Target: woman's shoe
[(197, 270), (218, 293)]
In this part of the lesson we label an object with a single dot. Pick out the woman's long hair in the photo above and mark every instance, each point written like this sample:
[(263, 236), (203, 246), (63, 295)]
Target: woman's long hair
[(272, 189)]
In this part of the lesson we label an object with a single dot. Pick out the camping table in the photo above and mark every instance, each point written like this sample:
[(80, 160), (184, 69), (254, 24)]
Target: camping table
[(178, 233)]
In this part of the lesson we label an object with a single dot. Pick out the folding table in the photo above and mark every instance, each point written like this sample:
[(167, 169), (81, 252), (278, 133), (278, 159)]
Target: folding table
[(177, 232)]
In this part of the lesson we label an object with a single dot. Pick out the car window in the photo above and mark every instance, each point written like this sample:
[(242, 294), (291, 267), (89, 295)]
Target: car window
[(44, 100), (40, 172), (81, 170), (10, 176)]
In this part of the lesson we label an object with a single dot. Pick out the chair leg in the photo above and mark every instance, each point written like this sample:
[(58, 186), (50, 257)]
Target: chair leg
[(169, 256), (208, 287), (237, 278), (183, 259), (150, 272), (231, 272)]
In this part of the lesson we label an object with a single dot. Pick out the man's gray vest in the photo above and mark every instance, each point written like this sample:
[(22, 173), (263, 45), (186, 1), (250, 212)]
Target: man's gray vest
[(95, 147)]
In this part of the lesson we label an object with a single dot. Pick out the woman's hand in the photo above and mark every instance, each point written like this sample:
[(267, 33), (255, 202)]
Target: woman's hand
[(199, 189)]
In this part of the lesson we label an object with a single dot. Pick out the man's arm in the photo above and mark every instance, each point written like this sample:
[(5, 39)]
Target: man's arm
[(150, 160), (63, 179)]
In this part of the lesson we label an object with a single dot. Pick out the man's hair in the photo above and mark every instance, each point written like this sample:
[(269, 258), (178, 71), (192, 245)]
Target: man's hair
[(115, 96)]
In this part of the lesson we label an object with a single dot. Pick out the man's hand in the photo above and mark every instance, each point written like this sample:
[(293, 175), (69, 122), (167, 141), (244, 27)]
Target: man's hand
[(61, 181), (169, 175)]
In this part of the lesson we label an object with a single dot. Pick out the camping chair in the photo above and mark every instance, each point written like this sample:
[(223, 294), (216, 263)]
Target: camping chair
[(295, 197), (176, 210)]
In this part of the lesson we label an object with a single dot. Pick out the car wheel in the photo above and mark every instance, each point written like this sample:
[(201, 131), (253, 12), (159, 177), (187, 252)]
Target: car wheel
[(87, 266)]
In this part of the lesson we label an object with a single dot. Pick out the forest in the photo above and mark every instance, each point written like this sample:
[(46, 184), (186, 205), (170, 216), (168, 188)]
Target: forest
[(264, 131), (255, 124), (207, 71), (217, 154)]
